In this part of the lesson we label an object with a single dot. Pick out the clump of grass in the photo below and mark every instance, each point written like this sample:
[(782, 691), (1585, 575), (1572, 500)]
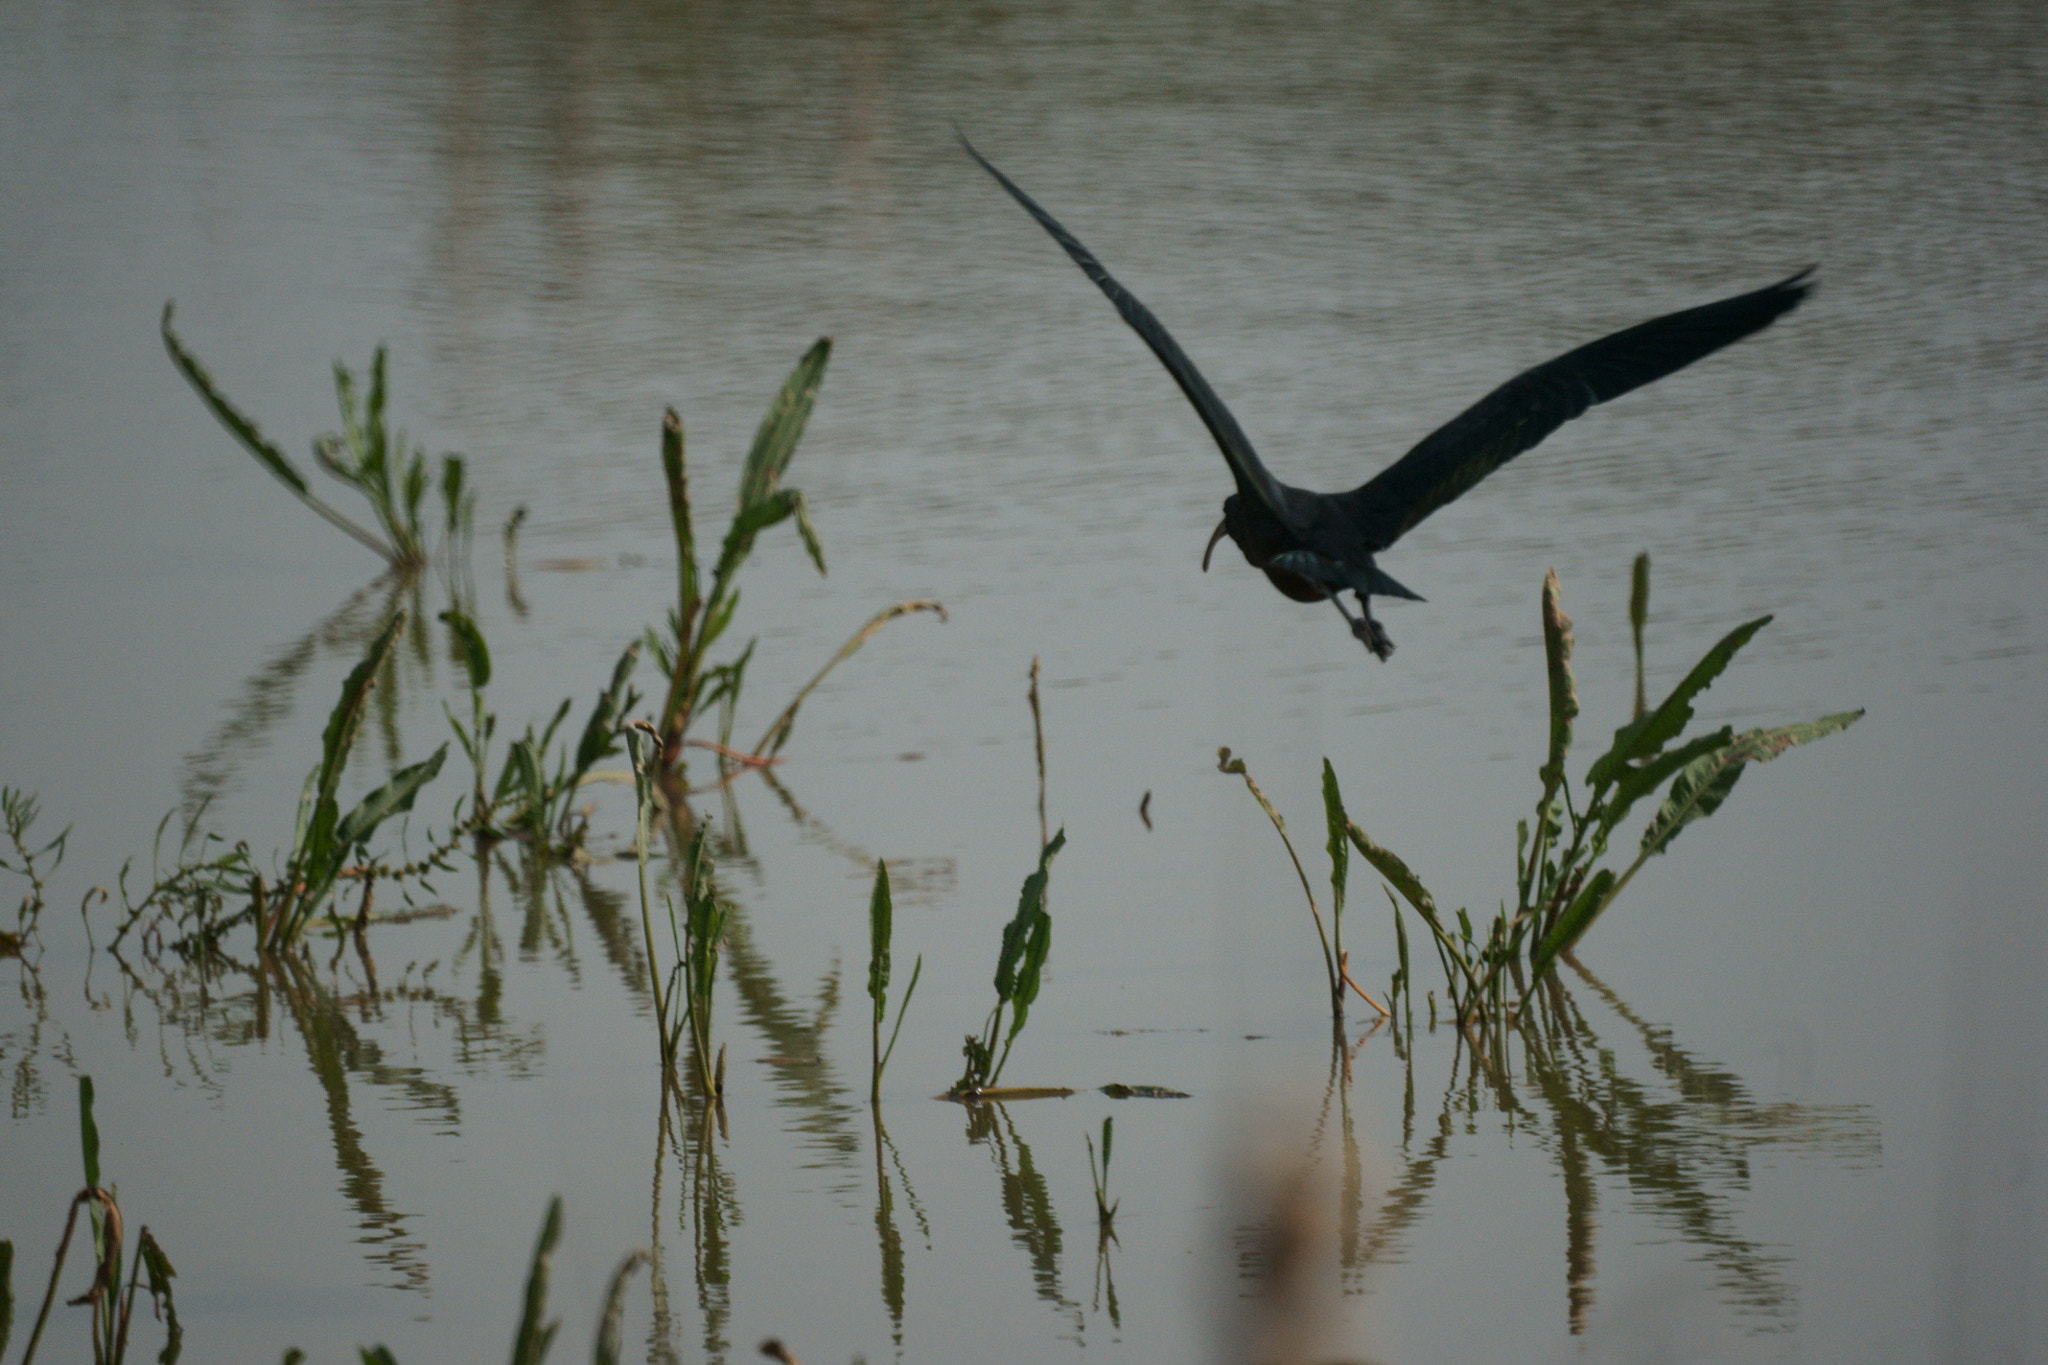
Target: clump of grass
[(1562, 886), (881, 928), (1027, 938), (113, 1310), (325, 841), (534, 798), (19, 810), (366, 455)]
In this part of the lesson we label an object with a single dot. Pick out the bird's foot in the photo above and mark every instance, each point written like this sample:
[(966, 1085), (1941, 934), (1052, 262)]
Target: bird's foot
[(1374, 636), (1367, 631)]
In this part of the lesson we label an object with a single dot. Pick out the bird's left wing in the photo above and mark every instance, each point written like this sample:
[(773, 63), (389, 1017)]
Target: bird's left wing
[(1536, 402), (1253, 479)]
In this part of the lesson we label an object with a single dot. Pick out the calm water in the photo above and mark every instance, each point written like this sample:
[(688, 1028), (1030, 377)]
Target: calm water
[(1800, 1113)]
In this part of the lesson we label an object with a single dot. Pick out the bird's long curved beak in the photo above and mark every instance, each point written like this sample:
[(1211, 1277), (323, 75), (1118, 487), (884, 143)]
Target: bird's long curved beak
[(1210, 548)]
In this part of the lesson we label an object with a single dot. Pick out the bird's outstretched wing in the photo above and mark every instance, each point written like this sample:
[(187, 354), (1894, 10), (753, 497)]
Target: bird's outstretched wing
[(1536, 402), (1253, 479)]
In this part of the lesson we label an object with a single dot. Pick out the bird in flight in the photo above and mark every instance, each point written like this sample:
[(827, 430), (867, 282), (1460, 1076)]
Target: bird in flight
[(1314, 546)]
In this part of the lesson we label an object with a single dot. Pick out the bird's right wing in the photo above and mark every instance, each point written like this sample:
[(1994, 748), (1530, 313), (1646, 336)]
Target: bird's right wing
[(1253, 479), (1536, 402)]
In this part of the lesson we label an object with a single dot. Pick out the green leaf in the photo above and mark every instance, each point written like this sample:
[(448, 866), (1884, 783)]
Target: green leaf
[(881, 914), (1634, 783), (1703, 785), (340, 733), (1564, 694), (530, 1345), (1576, 919), (1645, 735), (1638, 613), (267, 454), (88, 1132), (393, 798), (780, 430), (470, 648), (1339, 847)]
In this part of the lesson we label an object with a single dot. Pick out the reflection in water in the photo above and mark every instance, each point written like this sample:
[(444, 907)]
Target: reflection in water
[(1680, 1139), (1026, 1201)]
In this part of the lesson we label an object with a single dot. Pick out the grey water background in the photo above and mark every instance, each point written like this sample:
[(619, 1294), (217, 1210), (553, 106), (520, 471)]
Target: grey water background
[(1356, 218)]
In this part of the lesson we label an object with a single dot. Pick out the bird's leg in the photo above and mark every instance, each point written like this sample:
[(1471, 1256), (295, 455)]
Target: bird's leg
[(1368, 631)]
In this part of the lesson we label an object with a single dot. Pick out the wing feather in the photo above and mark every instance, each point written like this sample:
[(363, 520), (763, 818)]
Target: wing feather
[(1521, 412), (1253, 479)]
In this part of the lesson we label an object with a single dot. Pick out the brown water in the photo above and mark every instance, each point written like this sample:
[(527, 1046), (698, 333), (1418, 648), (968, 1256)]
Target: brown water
[(1801, 1112)]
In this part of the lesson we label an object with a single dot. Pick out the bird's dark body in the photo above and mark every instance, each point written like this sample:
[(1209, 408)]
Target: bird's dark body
[(1313, 546)]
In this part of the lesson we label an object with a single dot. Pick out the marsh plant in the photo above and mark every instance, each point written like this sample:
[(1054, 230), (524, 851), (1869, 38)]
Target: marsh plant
[(19, 811), (210, 878), (682, 995), (534, 797), (1020, 962), (366, 455), (881, 930), (697, 686), (1563, 882), (112, 1305)]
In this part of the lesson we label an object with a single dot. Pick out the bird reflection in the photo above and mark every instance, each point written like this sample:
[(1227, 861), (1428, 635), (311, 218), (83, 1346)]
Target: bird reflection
[(1315, 546)]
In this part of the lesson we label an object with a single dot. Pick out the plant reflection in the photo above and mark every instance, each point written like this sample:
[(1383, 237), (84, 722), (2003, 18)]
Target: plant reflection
[(1026, 1199), (1680, 1138)]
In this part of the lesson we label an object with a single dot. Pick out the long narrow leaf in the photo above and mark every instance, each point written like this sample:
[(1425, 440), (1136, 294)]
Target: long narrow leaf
[(783, 426), (1338, 845), (257, 444), (1699, 790), (881, 917), (1578, 917), (1645, 735), (393, 798)]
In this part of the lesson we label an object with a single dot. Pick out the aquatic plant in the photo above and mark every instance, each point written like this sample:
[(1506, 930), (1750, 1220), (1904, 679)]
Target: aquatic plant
[(881, 928), (113, 1310), (18, 810), (695, 935), (1562, 888), (1105, 1208), (700, 617), (1336, 961), (325, 841), (534, 797), (209, 876), (366, 455), (1027, 938)]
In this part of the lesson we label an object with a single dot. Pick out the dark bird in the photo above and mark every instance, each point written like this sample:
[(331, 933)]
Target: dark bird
[(1316, 545)]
